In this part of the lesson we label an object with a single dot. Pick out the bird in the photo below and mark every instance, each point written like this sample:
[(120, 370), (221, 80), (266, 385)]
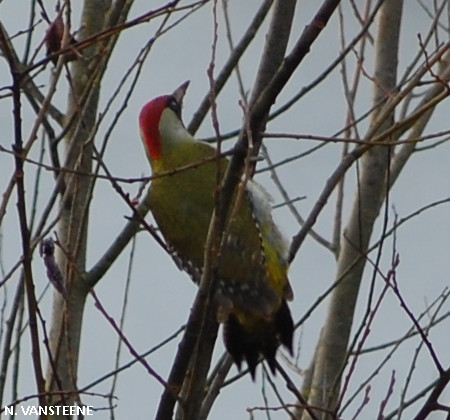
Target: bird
[(54, 38), (251, 281)]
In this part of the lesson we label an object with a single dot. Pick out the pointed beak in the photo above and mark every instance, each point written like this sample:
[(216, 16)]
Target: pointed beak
[(180, 92)]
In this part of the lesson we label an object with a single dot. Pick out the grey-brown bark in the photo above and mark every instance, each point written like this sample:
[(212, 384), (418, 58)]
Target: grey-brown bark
[(86, 75), (331, 354)]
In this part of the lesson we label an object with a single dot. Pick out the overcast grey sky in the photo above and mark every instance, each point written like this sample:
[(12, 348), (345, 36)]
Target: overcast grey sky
[(161, 295)]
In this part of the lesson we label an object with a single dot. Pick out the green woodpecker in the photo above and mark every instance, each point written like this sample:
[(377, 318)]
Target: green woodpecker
[(252, 286)]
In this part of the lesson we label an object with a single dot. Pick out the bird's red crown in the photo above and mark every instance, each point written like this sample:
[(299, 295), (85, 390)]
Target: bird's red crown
[(149, 118)]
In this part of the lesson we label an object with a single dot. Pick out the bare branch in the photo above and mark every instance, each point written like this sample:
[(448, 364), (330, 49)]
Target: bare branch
[(230, 65)]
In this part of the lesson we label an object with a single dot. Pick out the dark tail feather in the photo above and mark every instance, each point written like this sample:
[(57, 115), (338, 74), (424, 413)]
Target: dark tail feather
[(234, 338), (242, 344), (285, 326), (269, 351), (252, 357)]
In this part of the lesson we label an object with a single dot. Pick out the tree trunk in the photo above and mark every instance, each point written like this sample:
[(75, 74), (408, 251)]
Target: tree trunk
[(331, 354), (72, 228)]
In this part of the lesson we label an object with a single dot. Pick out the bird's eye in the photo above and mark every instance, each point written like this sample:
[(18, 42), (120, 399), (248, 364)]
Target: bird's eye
[(173, 104)]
